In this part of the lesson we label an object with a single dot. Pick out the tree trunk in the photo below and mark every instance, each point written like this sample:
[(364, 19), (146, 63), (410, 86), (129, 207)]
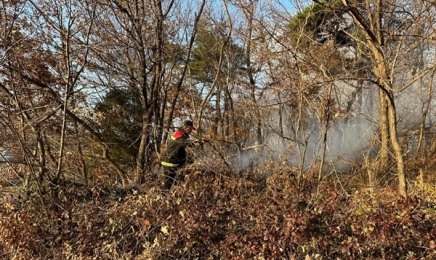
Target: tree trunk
[(372, 27), (424, 116), (398, 151), (384, 131), (387, 97)]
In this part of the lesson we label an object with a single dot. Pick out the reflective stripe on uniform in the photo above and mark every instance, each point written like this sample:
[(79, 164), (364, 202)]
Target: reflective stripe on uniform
[(167, 164)]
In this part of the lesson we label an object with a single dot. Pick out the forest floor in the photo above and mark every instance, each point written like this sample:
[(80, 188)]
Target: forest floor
[(222, 214)]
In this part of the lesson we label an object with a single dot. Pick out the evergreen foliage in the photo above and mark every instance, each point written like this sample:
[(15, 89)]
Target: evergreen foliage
[(120, 116), (321, 22)]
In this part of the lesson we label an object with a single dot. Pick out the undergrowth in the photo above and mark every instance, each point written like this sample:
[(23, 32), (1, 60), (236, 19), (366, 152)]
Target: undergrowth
[(223, 215)]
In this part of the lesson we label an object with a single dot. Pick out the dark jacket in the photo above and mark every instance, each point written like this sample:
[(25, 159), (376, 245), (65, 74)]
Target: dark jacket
[(175, 152)]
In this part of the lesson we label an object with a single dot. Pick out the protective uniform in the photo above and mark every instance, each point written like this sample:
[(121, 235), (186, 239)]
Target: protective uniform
[(174, 156)]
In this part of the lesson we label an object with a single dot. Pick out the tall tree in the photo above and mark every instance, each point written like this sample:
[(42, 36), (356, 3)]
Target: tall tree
[(217, 63), (387, 30), (135, 48), (41, 78), (253, 59)]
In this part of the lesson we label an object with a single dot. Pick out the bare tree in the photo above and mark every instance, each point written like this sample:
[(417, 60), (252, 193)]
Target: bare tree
[(140, 48)]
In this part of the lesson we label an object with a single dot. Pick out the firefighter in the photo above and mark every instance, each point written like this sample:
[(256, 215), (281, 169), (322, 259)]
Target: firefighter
[(174, 157)]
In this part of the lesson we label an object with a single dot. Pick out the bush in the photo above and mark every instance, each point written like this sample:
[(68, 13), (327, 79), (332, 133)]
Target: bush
[(219, 216)]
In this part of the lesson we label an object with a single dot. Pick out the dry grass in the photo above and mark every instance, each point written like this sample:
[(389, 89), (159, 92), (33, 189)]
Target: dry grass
[(223, 214)]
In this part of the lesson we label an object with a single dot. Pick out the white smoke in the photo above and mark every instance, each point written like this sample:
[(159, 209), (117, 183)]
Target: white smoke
[(350, 137)]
